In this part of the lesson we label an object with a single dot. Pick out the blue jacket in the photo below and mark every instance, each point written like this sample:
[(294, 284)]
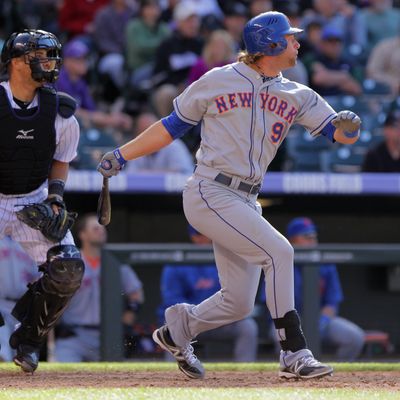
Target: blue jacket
[(330, 289), (187, 284)]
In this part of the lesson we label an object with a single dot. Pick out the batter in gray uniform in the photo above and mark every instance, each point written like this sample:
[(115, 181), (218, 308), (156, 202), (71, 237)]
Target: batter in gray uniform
[(246, 110)]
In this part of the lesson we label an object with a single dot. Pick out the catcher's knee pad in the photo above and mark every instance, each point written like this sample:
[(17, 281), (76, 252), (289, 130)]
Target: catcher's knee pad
[(46, 299), (62, 271), (294, 336)]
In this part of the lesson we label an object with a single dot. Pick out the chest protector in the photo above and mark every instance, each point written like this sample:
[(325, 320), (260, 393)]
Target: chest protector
[(28, 142)]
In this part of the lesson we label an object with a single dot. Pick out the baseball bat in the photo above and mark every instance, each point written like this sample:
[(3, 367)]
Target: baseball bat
[(104, 204)]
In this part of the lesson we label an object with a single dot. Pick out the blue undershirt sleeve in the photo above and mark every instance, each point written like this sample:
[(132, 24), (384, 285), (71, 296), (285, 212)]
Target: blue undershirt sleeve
[(175, 126), (328, 130)]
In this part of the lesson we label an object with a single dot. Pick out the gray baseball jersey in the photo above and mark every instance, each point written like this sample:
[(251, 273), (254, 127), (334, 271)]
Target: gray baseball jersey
[(244, 120), (17, 269), (33, 242), (83, 314)]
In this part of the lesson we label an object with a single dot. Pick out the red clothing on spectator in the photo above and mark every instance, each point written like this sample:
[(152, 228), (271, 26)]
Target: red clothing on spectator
[(76, 15)]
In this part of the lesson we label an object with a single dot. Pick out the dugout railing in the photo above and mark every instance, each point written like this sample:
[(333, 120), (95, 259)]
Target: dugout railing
[(114, 255)]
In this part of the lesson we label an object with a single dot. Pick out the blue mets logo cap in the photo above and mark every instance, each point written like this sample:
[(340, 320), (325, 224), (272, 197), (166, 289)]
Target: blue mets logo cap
[(300, 226)]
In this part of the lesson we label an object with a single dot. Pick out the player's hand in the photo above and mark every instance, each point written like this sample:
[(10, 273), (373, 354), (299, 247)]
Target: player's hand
[(347, 121), (111, 163)]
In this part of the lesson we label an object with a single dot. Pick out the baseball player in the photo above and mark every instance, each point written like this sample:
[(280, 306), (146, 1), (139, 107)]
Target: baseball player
[(246, 110), (17, 269), (78, 334), (39, 138)]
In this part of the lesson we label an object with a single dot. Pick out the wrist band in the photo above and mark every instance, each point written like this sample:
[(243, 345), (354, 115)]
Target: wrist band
[(56, 188), (121, 160), (351, 134)]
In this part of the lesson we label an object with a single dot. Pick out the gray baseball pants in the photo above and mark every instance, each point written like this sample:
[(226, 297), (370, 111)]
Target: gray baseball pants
[(244, 242)]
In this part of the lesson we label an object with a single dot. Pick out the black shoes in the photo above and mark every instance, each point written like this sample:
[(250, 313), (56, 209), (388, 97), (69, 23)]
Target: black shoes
[(188, 363), (27, 356), (302, 365)]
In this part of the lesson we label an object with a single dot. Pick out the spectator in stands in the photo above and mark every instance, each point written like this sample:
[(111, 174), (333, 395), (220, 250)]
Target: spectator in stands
[(384, 63), (12, 18), (208, 7), (260, 6), (17, 269), (331, 73), (175, 56), (385, 157), (173, 158), (78, 333), (218, 51), (344, 17), (194, 283), (72, 81), (327, 11), (344, 335), (354, 29), (298, 72), (109, 38), (236, 16), (167, 13), (381, 20), (311, 38), (47, 12), (143, 36), (76, 16)]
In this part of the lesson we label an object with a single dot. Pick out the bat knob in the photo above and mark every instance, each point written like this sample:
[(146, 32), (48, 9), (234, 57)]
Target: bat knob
[(106, 164)]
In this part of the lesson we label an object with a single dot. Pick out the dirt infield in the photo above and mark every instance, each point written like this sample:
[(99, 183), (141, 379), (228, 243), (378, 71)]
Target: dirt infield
[(124, 379)]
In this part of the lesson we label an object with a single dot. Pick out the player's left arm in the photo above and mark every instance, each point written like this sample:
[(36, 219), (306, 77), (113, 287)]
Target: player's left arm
[(319, 118), (343, 128), (66, 149)]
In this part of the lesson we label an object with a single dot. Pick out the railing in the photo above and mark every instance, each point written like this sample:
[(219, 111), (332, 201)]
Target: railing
[(281, 183), (146, 254)]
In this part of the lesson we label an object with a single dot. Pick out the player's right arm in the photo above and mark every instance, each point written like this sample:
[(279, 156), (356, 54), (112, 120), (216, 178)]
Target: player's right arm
[(149, 141), (189, 108)]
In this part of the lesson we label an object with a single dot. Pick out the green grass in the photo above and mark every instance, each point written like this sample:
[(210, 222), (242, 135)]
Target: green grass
[(8, 370), (198, 394)]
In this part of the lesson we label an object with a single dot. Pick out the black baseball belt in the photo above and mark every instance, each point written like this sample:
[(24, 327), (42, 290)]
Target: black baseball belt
[(243, 186)]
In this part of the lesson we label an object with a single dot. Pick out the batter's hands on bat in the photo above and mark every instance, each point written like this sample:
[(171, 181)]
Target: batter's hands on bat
[(111, 163), (347, 121)]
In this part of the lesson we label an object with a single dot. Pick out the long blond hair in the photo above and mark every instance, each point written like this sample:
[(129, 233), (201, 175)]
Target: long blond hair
[(247, 58)]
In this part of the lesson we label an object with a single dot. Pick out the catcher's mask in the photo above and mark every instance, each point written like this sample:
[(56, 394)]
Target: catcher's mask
[(45, 67), (63, 251)]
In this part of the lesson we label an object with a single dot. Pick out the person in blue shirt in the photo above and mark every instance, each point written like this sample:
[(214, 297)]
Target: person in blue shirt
[(344, 335), (194, 283)]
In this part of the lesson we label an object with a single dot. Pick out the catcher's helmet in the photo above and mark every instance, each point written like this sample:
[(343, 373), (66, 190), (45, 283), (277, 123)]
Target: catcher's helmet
[(22, 43), (266, 32)]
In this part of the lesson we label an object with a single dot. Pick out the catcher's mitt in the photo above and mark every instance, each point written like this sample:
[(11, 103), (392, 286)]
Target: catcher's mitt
[(42, 217)]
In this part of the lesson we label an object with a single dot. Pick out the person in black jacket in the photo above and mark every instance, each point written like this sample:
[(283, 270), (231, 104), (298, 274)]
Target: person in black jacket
[(385, 157), (175, 56)]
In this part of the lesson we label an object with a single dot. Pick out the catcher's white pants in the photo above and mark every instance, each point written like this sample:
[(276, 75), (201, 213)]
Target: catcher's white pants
[(32, 240), (244, 242)]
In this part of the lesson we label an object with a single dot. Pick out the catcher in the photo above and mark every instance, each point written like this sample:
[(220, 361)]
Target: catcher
[(39, 138)]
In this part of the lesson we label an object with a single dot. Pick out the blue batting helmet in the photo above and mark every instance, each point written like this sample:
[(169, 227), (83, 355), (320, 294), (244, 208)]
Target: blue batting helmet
[(266, 32)]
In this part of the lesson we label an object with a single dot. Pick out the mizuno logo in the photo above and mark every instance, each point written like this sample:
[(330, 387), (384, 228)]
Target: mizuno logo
[(24, 134)]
